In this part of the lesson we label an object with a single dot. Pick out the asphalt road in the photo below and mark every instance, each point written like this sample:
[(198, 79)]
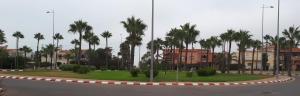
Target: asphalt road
[(43, 88)]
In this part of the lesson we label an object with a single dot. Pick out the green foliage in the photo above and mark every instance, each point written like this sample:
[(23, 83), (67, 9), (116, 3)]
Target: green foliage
[(147, 73), (208, 71), (67, 67), (134, 72), (83, 70), (189, 74)]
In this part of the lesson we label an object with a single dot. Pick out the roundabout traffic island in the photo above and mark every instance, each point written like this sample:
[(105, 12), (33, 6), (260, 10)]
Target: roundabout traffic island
[(55, 77)]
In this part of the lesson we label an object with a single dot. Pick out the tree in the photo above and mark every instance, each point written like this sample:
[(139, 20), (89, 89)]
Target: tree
[(191, 34), (50, 48), (135, 28), (106, 35), (95, 41), (38, 37), (88, 37), (57, 37), (26, 50), (2, 37), (213, 42), (228, 37), (157, 46), (273, 41), (180, 36), (18, 35), (293, 36), (125, 53), (205, 44), (242, 38), (255, 44), (79, 27)]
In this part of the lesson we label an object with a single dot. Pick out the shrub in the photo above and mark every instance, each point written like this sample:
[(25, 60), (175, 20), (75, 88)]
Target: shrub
[(134, 72), (147, 73), (75, 68), (83, 70), (189, 74), (66, 67), (208, 71)]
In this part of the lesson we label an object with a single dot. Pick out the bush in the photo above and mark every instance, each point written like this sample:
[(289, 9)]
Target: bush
[(189, 74), (134, 72), (66, 67), (147, 73), (75, 68), (83, 70), (208, 71)]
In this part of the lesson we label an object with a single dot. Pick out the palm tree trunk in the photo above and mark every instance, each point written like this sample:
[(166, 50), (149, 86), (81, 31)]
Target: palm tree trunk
[(16, 61), (256, 61), (229, 58), (37, 53), (186, 55), (207, 57), (55, 66), (253, 52), (212, 59), (239, 61), (132, 56), (180, 59), (192, 53), (274, 65), (94, 47), (106, 55), (243, 61), (157, 62), (291, 62), (79, 51)]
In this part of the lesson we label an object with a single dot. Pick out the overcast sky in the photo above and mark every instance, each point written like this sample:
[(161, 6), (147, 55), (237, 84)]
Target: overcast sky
[(212, 17)]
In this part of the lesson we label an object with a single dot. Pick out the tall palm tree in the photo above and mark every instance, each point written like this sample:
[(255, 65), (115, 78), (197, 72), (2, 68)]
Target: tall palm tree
[(87, 37), (255, 44), (191, 34), (228, 37), (180, 36), (106, 35), (157, 46), (293, 36), (243, 41), (51, 47), (205, 44), (95, 41), (57, 37), (18, 35), (2, 37), (135, 28), (213, 42), (273, 41), (79, 27), (38, 37)]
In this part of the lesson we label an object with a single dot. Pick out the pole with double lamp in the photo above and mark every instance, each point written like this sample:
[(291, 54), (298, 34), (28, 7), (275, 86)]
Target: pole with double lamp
[(152, 44), (53, 41), (262, 34), (277, 51)]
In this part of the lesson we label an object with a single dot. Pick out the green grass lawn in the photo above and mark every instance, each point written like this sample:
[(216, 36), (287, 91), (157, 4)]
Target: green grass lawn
[(125, 76)]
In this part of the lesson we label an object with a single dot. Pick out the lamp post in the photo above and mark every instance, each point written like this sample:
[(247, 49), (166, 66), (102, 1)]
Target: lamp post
[(277, 51), (262, 33), (53, 13), (152, 44)]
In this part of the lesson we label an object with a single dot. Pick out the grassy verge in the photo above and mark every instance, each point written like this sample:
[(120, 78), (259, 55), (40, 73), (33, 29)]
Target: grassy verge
[(125, 76)]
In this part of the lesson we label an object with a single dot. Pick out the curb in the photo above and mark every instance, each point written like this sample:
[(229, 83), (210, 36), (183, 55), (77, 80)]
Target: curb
[(148, 83), (12, 70)]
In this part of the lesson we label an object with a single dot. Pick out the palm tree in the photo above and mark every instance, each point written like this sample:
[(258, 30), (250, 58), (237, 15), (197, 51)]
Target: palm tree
[(191, 34), (293, 36), (180, 36), (95, 41), (205, 44), (228, 37), (135, 28), (242, 38), (157, 46), (26, 50), (44, 53), (106, 35), (87, 37), (213, 42), (57, 37), (38, 37), (18, 35), (2, 37), (51, 47), (79, 27), (273, 41), (255, 44)]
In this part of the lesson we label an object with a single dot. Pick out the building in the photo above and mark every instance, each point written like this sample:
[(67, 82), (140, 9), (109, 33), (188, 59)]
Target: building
[(195, 57)]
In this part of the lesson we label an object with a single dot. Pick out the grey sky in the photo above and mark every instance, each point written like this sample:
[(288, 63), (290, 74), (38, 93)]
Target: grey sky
[(211, 16)]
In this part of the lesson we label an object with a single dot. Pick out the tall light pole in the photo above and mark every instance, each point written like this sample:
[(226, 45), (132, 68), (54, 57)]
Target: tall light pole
[(262, 33), (277, 51), (53, 14), (152, 44)]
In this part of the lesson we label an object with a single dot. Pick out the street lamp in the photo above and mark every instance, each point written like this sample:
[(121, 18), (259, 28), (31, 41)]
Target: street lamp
[(152, 44), (53, 13), (262, 32), (277, 51)]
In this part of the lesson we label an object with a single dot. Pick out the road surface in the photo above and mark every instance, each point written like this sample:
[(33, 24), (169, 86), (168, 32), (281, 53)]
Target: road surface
[(43, 88)]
